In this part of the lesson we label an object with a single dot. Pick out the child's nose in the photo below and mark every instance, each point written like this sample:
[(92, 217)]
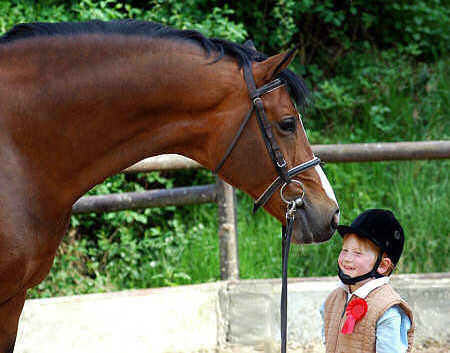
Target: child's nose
[(348, 257)]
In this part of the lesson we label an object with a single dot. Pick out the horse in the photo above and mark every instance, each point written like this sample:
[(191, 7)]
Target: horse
[(80, 102)]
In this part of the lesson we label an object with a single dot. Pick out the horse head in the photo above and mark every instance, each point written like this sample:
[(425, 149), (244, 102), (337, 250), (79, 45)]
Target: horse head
[(253, 151)]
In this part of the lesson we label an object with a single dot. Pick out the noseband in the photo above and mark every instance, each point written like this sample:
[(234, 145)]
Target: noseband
[(284, 177)]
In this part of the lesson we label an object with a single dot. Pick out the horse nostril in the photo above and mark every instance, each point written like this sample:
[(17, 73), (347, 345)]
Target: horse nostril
[(335, 220)]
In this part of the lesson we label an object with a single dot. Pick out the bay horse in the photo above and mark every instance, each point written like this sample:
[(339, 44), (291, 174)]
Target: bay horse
[(82, 101)]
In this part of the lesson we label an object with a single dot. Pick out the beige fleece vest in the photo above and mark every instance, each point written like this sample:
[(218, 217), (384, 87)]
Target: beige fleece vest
[(363, 337)]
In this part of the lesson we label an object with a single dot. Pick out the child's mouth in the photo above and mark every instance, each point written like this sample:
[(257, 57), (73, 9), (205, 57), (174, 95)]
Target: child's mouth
[(349, 269)]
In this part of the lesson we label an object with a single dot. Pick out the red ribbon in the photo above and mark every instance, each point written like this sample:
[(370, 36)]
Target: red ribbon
[(355, 311)]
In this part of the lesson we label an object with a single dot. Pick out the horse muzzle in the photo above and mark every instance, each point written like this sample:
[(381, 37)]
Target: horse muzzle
[(315, 222)]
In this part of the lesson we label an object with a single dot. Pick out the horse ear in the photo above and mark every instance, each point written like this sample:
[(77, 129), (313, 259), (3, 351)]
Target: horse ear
[(266, 70)]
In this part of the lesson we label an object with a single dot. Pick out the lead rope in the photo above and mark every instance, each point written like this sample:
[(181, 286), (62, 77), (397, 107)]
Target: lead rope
[(286, 244)]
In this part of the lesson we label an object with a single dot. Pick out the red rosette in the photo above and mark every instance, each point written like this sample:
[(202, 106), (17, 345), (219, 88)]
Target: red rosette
[(357, 307), (355, 311)]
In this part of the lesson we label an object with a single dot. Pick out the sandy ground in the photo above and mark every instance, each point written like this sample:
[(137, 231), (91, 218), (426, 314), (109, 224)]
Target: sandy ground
[(427, 347), (433, 347)]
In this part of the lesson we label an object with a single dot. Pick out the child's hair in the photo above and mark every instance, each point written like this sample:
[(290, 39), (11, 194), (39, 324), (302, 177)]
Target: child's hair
[(366, 243)]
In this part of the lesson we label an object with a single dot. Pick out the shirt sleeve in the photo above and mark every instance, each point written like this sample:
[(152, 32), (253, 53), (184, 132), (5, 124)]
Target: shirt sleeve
[(392, 331)]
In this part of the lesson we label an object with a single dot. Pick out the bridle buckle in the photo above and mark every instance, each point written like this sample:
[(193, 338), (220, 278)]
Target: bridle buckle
[(283, 164), (256, 99)]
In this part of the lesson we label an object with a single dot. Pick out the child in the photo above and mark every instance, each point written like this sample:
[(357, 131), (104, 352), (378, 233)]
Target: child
[(364, 314)]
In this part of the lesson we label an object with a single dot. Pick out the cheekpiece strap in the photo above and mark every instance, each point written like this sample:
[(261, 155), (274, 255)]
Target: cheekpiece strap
[(266, 128)]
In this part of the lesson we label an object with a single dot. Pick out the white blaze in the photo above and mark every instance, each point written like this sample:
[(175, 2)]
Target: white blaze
[(325, 183), (323, 178)]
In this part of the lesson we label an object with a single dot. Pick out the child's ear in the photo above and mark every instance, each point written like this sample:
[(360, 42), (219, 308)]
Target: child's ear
[(385, 266)]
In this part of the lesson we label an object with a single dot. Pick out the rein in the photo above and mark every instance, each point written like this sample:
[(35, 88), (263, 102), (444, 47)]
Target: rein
[(284, 177)]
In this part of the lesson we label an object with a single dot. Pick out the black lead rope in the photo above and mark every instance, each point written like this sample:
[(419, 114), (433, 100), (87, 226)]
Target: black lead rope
[(285, 244), (284, 176)]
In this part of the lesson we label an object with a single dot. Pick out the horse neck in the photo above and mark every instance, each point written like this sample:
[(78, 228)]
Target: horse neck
[(110, 103)]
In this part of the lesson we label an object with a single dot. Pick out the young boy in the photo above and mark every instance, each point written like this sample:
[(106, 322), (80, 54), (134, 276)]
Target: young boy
[(364, 314)]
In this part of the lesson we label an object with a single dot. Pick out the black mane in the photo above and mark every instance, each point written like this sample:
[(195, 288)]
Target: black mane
[(241, 53)]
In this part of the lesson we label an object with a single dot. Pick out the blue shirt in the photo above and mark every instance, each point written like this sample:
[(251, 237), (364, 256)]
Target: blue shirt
[(392, 331), (392, 327)]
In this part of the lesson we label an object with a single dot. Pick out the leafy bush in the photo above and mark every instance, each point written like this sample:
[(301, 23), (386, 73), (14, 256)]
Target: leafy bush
[(180, 14)]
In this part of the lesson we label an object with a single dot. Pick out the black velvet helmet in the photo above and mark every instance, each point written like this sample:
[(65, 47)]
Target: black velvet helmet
[(381, 227)]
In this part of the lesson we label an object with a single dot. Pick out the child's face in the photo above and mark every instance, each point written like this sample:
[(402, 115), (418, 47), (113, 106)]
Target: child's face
[(357, 256)]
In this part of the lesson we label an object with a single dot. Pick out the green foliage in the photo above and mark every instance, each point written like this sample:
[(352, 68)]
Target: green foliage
[(181, 14), (326, 29), (379, 71), (382, 99), (191, 14)]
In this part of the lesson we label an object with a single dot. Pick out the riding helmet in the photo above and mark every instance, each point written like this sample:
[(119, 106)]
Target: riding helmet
[(381, 227)]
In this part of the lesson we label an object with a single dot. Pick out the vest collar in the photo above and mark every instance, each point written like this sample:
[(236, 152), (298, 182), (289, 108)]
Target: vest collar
[(365, 289)]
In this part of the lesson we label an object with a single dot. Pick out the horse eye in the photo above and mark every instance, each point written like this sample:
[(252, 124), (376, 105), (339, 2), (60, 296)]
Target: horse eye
[(288, 125)]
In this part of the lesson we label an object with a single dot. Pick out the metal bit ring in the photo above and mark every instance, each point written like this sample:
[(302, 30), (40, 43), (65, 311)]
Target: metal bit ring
[(299, 200)]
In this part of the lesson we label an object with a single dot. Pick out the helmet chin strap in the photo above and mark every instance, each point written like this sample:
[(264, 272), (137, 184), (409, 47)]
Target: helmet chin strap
[(346, 279)]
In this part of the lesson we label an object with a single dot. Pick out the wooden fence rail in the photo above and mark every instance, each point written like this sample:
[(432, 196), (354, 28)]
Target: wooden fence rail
[(355, 152), (145, 199), (224, 195), (394, 151)]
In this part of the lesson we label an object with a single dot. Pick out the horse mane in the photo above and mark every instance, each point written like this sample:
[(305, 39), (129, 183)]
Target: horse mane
[(243, 54)]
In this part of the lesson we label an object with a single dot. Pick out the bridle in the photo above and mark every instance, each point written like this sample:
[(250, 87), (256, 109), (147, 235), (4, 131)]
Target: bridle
[(284, 176), (279, 162)]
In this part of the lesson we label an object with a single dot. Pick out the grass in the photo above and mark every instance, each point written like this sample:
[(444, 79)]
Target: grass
[(417, 193)]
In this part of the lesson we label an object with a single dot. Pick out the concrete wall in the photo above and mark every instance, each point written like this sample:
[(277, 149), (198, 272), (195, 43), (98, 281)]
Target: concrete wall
[(224, 316), (254, 319)]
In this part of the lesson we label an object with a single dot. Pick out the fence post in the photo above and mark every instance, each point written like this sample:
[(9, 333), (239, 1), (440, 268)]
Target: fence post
[(228, 241)]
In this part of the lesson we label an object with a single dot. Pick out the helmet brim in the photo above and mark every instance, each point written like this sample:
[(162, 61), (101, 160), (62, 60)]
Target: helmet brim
[(344, 230)]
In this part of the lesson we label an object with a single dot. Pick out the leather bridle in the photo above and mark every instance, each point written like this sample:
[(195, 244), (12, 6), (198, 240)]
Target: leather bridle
[(284, 176), (279, 162)]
